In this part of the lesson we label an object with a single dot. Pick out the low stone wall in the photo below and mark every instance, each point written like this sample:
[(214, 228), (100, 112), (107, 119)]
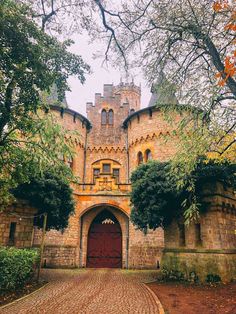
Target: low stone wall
[(199, 264), (145, 257), (59, 257)]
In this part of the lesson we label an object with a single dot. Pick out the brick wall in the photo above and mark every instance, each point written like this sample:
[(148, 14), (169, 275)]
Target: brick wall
[(215, 253), (153, 132), (145, 250), (59, 256), (21, 214)]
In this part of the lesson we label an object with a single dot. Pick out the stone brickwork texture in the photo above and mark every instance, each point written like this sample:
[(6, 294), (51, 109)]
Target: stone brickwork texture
[(20, 214), (213, 249)]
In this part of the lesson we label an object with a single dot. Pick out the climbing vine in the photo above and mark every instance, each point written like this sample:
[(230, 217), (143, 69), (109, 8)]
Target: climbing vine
[(156, 198)]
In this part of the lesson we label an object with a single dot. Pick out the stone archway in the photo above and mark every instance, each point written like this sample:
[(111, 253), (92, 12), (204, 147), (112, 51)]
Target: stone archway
[(104, 242), (87, 224)]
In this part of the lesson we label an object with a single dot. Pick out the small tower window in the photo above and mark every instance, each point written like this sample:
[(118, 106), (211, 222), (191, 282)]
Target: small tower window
[(150, 114), (70, 162), (140, 158), (104, 117), (182, 241), (11, 240), (198, 238), (110, 117), (132, 111), (148, 155)]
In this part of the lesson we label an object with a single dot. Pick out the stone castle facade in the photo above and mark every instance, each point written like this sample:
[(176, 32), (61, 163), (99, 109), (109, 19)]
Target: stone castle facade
[(115, 138)]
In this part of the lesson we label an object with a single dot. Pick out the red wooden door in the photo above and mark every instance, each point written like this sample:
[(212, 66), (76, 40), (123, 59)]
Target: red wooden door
[(104, 245)]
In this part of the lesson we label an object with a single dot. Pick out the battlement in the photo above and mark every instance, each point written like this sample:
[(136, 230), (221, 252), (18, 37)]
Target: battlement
[(131, 87), (124, 94)]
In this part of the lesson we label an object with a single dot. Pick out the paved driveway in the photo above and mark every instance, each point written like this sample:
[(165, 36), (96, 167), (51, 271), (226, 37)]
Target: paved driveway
[(90, 291)]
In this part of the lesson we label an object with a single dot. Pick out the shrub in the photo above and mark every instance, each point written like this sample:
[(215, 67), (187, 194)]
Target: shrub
[(213, 278), (172, 275), (16, 267)]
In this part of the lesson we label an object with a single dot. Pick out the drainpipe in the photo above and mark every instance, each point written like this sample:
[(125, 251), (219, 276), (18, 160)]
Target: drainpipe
[(127, 149), (81, 243), (85, 154), (127, 244)]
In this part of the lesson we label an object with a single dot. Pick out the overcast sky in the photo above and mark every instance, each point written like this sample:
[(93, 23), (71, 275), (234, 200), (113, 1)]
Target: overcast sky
[(101, 74)]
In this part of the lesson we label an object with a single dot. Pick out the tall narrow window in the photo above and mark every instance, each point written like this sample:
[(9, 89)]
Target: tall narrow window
[(96, 173), (140, 158), (104, 117), (148, 155), (70, 162), (110, 117), (11, 240), (116, 174), (182, 241), (198, 235)]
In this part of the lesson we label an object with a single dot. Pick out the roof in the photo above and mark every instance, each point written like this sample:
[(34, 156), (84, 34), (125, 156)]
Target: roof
[(73, 113), (158, 107)]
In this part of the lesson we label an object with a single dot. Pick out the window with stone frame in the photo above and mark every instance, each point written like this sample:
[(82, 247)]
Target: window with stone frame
[(104, 117), (106, 168), (12, 233), (140, 158), (148, 155), (182, 240), (116, 175), (110, 117), (70, 162), (96, 173), (198, 237)]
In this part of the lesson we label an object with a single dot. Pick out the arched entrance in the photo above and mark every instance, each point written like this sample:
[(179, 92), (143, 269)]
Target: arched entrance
[(105, 242)]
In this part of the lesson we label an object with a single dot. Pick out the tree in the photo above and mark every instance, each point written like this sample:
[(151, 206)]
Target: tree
[(157, 198), (31, 62), (51, 194), (63, 17), (154, 196), (188, 42)]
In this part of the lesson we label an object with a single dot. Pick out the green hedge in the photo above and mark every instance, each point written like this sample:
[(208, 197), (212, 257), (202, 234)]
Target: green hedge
[(17, 266)]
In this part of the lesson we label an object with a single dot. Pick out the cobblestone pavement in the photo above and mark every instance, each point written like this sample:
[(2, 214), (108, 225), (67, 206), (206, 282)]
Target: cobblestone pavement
[(90, 291)]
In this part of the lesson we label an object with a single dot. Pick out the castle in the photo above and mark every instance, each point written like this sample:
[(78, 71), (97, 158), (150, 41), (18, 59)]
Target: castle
[(114, 139)]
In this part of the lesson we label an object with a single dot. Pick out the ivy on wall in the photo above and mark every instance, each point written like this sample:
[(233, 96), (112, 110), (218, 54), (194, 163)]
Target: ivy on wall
[(51, 194), (156, 198)]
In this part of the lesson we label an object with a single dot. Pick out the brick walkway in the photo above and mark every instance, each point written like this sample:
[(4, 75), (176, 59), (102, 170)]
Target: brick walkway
[(103, 291)]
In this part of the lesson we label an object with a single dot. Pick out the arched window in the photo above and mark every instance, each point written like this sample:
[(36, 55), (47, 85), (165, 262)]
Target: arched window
[(140, 158), (110, 117), (148, 155), (132, 111), (70, 162), (104, 117)]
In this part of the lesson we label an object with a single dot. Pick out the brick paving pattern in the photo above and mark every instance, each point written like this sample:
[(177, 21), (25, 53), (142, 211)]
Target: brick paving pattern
[(97, 291)]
